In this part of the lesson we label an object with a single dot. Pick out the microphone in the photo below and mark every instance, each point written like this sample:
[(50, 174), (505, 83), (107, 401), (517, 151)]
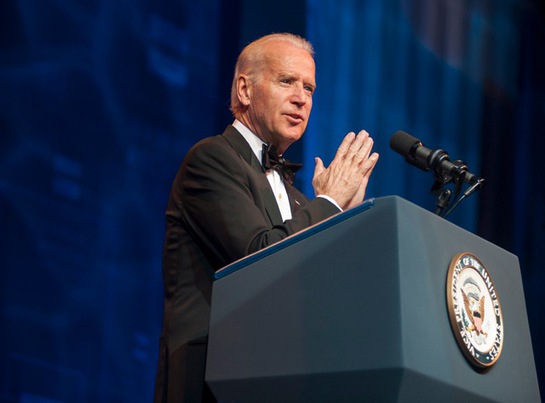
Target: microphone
[(435, 160)]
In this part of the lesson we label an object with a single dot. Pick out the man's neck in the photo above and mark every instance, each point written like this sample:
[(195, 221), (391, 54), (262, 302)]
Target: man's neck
[(255, 143)]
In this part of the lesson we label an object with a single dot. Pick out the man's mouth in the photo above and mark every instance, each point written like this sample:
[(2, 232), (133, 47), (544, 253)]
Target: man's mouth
[(295, 117)]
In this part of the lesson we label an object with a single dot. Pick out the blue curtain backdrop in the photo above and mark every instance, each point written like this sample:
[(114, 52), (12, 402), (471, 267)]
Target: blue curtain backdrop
[(100, 100)]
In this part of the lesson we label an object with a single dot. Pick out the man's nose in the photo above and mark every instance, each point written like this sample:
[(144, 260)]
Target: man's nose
[(299, 95)]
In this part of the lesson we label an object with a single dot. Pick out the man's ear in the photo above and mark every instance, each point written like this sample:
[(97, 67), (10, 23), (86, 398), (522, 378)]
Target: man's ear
[(244, 89)]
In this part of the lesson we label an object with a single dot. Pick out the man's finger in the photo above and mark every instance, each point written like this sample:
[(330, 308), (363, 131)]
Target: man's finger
[(363, 153), (345, 146), (369, 164), (355, 147)]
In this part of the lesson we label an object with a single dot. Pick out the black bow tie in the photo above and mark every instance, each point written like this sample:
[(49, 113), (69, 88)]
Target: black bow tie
[(271, 160)]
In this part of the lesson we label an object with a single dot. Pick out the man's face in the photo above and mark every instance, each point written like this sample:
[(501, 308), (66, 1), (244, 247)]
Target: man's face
[(281, 95)]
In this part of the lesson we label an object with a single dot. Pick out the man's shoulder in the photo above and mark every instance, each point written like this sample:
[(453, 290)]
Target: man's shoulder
[(218, 141), (229, 142), (225, 147)]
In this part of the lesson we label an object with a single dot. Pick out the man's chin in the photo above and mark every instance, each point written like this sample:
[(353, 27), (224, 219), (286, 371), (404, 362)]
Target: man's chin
[(290, 138)]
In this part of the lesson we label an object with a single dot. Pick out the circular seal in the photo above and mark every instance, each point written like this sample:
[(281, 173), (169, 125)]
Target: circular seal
[(474, 310)]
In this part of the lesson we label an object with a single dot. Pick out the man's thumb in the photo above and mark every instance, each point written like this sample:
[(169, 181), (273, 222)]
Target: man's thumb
[(319, 167)]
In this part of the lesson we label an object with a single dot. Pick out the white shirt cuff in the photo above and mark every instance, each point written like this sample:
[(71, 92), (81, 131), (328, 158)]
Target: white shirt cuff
[(330, 200)]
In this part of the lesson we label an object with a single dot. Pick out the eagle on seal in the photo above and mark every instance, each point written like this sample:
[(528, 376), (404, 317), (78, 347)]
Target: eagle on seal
[(475, 310)]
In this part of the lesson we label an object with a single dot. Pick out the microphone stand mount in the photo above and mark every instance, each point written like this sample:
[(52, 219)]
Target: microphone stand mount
[(448, 199)]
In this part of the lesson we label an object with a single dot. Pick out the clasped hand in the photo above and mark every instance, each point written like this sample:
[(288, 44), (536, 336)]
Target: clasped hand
[(346, 178)]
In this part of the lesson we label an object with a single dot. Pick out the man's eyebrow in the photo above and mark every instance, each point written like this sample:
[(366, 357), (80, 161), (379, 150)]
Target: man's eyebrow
[(286, 74)]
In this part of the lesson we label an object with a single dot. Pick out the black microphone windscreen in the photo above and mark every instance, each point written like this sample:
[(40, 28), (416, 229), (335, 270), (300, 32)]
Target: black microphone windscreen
[(402, 142)]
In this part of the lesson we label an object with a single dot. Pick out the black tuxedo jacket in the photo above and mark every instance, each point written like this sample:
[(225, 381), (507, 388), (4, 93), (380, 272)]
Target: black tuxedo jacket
[(221, 208)]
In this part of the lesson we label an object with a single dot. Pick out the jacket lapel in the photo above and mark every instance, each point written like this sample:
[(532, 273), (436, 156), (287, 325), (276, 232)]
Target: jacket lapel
[(244, 150)]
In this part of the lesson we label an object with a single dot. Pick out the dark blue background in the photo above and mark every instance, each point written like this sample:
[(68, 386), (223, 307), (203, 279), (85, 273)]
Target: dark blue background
[(100, 100)]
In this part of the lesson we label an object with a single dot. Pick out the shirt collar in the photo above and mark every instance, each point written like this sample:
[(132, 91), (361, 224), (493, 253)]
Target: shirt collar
[(256, 144)]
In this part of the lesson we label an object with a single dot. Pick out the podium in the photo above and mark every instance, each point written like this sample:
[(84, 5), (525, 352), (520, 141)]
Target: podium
[(354, 309)]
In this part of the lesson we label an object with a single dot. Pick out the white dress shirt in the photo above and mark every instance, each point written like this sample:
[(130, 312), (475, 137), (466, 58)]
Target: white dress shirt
[(276, 182)]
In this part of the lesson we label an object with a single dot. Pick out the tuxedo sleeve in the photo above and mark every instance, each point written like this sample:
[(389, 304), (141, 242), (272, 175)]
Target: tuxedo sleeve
[(226, 204)]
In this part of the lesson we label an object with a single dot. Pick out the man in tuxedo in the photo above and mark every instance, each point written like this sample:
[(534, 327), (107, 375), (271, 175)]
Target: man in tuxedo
[(233, 196)]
